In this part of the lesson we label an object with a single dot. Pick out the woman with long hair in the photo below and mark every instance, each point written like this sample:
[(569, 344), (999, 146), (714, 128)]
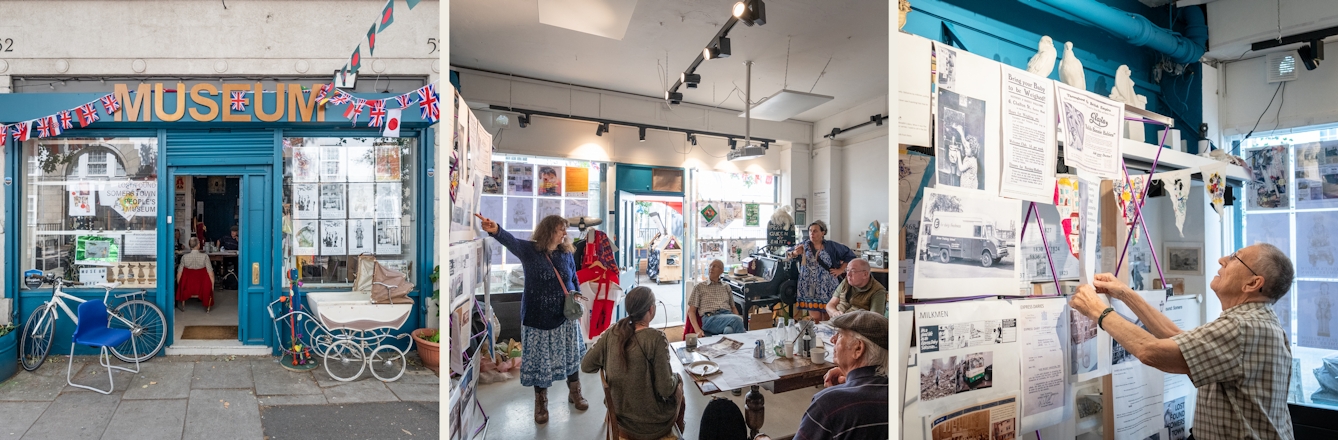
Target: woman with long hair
[(553, 344), (635, 357)]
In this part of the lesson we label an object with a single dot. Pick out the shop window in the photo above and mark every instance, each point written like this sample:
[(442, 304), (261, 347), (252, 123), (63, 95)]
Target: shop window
[(1299, 215), (345, 197), (92, 206)]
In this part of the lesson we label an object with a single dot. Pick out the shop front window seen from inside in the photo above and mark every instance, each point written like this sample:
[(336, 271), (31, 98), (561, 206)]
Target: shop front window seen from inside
[(90, 209), (1292, 202), (346, 197)]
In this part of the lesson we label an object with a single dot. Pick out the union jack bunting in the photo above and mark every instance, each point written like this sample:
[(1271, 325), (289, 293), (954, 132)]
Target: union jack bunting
[(355, 109), (324, 92), (340, 98), (87, 114), (239, 101), (405, 100), (111, 104), (20, 131), (427, 103), (377, 113), (66, 122), (47, 127)]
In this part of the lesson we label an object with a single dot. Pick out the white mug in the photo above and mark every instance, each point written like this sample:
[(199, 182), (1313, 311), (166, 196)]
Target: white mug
[(818, 355)]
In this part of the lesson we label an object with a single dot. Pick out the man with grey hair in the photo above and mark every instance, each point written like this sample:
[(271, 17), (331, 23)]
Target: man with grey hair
[(854, 406), (859, 291), (1241, 362)]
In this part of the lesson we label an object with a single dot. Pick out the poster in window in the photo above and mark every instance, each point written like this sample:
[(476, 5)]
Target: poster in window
[(333, 203), (1317, 174), (1268, 169), (331, 166), (92, 250), (388, 237), (1315, 250), (131, 198), (361, 233), (1274, 229), (577, 208), (491, 208), (361, 164), (306, 237), (1315, 326), (520, 179), (519, 214), (550, 181), (751, 215), (304, 164), (388, 200), (492, 183), (388, 163), (549, 207), (578, 182), (333, 240), (81, 199), (306, 201), (362, 200)]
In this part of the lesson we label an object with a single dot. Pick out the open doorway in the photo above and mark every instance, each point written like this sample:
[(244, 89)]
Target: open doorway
[(658, 251), (206, 301)]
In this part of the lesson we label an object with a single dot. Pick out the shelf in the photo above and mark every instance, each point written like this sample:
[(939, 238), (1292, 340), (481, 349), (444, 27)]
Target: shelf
[(1141, 154)]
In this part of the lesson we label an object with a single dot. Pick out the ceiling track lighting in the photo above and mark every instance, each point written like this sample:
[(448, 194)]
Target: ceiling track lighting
[(524, 120), (604, 125), (1311, 54), (719, 48), (673, 97), (690, 79), (642, 136), (751, 12), (692, 138), (876, 120), (733, 143), (601, 129)]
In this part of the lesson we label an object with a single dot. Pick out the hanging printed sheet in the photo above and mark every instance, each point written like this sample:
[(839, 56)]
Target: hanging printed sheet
[(967, 120), (1315, 326), (1178, 391), (970, 245), (1126, 197), (1268, 173), (81, 199), (1035, 264), (130, 198), (1177, 185), (492, 183), (912, 181), (1091, 126), (995, 419), (1044, 333), (1317, 175), (1068, 202), (1028, 121), (550, 180), (915, 91), (578, 181), (1136, 389), (968, 353), (1214, 182), (520, 179)]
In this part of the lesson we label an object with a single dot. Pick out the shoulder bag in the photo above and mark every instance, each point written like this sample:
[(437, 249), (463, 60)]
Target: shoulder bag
[(570, 308)]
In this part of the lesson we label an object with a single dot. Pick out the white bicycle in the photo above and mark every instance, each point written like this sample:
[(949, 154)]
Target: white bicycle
[(144, 319)]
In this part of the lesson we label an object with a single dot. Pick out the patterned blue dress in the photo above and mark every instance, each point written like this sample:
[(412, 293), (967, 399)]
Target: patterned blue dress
[(816, 284), (552, 345)]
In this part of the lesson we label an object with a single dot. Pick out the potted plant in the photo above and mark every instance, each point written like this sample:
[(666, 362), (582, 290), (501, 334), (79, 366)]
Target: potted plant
[(9, 347), (429, 339)]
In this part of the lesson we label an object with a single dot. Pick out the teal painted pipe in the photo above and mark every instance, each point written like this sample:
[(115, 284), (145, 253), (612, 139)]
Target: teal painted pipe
[(1134, 28)]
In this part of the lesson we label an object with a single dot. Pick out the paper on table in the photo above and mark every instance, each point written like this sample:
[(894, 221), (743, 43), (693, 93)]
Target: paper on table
[(722, 348), (1043, 333), (740, 369)]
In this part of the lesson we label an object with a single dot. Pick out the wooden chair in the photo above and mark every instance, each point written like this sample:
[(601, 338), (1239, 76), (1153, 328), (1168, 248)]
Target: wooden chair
[(610, 418)]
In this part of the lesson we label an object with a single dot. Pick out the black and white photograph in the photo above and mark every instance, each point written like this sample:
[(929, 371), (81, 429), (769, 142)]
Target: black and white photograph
[(946, 64), (361, 235), (1083, 350), (1184, 258), (362, 200), (576, 208), (956, 374), (519, 214), (306, 237), (968, 245), (961, 141), (388, 199), (388, 237), (333, 241), (306, 201), (548, 207), (332, 165), (361, 164), (1315, 250), (304, 164), (1119, 354), (334, 205), (1315, 326)]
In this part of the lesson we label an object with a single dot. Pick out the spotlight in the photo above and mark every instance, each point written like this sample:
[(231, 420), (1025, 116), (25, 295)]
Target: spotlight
[(876, 119), (766, 145), (524, 120), (692, 138), (673, 97), (601, 129), (719, 48), (690, 79), (733, 143), (751, 12), (643, 134), (1312, 54)]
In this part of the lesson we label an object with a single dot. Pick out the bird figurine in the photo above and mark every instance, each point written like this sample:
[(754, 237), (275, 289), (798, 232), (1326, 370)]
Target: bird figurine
[(1044, 61), (1124, 92), (1070, 69)]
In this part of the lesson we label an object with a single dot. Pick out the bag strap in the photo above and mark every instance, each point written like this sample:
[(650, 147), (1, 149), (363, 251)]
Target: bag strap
[(559, 276)]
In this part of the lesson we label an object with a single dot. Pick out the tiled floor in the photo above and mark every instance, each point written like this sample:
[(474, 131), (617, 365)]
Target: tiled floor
[(224, 313)]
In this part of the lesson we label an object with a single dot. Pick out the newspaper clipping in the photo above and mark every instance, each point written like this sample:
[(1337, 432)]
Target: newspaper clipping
[(992, 420), (968, 351)]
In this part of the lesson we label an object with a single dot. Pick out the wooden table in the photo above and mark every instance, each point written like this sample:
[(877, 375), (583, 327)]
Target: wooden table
[(795, 373)]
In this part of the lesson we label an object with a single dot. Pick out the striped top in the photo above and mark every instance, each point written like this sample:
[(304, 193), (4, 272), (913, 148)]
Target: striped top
[(854, 410)]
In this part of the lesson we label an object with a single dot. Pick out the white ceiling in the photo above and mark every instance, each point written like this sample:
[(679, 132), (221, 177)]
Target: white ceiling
[(505, 36)]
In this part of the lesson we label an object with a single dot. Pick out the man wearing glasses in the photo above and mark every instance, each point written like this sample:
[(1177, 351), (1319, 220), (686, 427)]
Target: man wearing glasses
[(1241, 362), (859, 291)]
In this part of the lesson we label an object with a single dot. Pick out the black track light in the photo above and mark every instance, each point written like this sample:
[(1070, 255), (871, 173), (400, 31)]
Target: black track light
[(673, 97), (876, 119), (766, 145), (643, 134), (1311, 54), (524, 120), (751, 12), (690, 79), (601, 129), (733, 143), (692, 138), (719, 48)]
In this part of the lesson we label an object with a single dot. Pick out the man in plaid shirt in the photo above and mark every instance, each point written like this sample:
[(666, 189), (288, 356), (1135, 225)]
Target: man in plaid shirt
[(1241, 362)]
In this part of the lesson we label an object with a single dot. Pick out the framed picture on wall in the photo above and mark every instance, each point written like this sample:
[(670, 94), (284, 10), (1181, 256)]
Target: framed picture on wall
[(800, 204), (1184, 258)]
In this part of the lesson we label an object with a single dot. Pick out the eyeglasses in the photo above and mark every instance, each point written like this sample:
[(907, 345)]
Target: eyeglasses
[(1242, 263)]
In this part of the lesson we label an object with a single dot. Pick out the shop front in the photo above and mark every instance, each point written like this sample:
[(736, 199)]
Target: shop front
[(263, 177)]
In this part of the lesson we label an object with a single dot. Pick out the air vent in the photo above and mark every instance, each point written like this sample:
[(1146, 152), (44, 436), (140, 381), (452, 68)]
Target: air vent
[(1282, 66)]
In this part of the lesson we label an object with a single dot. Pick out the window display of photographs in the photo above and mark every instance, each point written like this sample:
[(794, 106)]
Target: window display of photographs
[(388, 200), (305, 237), (360, 236), (332, 165), (333, 203), (304, 164), (388, 163), (520, 179), (1315, 326), (548, 207), (1268, 167), (388, 237), (550, 180), (492, 183), (1317, 175), (577, 208), (1314, 247), (491, 207), (333, 240), (362, 200), (306, 201), (361, 164), (520, 214)]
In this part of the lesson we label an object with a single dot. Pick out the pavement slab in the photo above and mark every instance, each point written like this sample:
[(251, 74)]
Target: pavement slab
[(161, 380), (271, 379), (393, 420), (42, 385), (359, 391), (222, 375), (95, 375), (415, 392), (147, 420), (75, 416), (305, 399), (18, 416), (222, 414)]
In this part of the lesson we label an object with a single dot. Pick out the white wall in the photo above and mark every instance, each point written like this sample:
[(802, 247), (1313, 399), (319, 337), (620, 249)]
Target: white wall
[(1235, 24), (863, 186), (1306, 101), (851, 117)]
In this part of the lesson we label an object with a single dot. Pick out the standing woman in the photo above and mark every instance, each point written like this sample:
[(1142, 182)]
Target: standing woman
[(823, 261), (553, 344)]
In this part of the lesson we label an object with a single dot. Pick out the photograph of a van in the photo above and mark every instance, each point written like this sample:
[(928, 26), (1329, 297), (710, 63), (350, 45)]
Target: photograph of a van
[(966, 236)]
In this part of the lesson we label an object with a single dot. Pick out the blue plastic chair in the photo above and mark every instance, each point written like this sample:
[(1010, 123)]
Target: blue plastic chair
[(92, 330)]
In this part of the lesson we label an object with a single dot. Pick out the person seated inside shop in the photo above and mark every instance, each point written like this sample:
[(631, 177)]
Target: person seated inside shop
[(229, 243), (647, 396), (854, 404), (859, 291), (715, 304), (195, 278)]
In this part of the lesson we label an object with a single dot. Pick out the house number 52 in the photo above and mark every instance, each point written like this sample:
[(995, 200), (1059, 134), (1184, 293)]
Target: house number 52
[(7, 45)]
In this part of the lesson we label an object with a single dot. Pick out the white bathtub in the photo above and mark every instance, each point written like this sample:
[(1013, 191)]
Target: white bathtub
[(355, 311)]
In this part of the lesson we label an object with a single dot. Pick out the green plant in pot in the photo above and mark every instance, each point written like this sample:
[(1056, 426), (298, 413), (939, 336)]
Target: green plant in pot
[(429, 339)]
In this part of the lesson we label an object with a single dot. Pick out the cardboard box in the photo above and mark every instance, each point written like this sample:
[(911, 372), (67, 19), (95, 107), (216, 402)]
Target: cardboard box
[(760, 319)]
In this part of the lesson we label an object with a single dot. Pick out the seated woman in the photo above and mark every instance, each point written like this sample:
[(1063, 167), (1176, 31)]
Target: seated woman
[(635, 359), (714, 301), (195, 278)]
